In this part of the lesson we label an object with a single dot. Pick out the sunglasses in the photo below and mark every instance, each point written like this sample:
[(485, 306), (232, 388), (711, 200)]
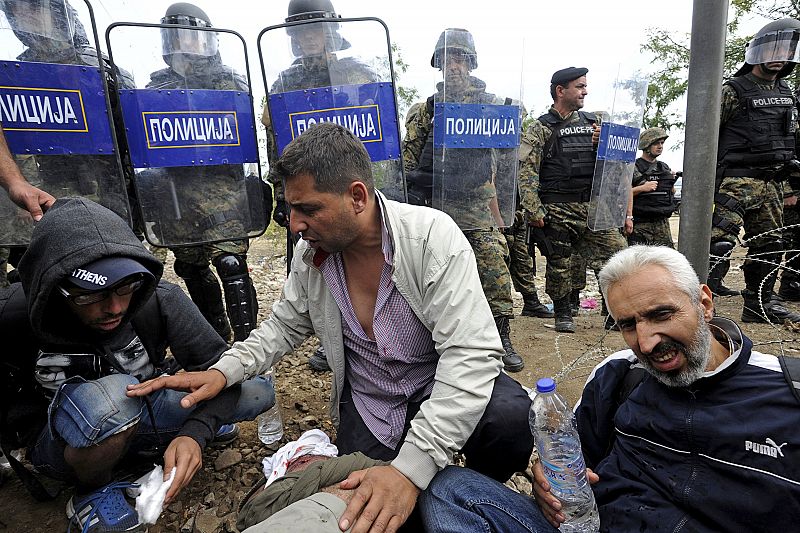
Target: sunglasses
[(98, 296)]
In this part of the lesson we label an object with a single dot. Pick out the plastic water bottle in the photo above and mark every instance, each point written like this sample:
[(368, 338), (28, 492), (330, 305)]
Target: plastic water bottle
[(553, 426), (270, 422)]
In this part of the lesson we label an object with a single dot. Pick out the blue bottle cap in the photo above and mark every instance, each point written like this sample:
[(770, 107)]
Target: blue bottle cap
[(545, 385)]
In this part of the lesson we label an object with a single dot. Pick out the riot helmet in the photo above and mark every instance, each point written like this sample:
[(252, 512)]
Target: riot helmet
[(650, 136), (457, 42), (313, 39), (778, 41), (34, 20), (184, 41)]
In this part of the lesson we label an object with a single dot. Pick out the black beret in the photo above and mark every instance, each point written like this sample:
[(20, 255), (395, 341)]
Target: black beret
[(566, 75)]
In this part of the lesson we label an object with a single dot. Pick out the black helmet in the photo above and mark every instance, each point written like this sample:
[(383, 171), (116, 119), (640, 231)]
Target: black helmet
[(311, 9), (457, 40), (777, 41), (199, 43), (315, 9)]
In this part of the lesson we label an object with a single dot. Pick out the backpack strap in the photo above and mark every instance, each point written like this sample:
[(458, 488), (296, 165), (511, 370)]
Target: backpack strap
[(791, 373)]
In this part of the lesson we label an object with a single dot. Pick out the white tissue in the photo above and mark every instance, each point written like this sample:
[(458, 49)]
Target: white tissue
[(150, 494)]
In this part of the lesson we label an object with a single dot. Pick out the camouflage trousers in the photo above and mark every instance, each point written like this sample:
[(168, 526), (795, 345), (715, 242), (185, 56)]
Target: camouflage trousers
[(791, 242), (759, 210), (521, 265), (491, 255), (652, 233), (565, 225), (4, 252), (202, 254)]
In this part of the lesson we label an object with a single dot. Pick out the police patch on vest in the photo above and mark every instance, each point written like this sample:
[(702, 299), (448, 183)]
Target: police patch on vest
[(54, 109), (780, 101)]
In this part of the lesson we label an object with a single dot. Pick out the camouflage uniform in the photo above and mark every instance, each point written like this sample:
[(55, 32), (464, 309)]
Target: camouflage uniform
[(4, 252), (755, 203), (790, 278), (214, 197), (488, 243), (564, 222)]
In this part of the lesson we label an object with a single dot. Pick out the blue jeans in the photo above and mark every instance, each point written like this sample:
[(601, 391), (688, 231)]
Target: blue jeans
[(461, 500), (84, 413)]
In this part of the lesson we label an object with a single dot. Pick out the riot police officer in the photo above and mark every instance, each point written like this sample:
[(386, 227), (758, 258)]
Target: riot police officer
[(561, 159), (466, 178), (210, 195), (653, 192), (756, 145)]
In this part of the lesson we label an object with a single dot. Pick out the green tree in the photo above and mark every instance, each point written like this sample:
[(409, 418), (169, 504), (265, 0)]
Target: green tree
[(671, 50), (406, 96)]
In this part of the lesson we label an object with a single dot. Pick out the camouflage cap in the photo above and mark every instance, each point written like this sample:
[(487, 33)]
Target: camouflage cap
[(650, 136)]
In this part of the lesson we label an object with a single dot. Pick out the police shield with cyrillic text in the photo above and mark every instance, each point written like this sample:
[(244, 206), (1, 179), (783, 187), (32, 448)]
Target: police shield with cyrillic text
[(55, 108), (461, 156), (319, 67), (616, 156), (191, 134)]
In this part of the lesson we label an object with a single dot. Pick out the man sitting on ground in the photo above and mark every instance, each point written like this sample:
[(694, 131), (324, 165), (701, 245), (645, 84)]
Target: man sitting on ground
[(705, 438), (90, 317)]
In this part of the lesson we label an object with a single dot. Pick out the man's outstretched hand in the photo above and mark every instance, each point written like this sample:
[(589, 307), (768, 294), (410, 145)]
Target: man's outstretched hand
[(383, 500), (201, 386)]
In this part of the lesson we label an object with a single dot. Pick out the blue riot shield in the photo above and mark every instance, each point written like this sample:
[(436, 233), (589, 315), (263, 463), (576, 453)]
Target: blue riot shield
[(55, 108), (191, 133), (616, 154), (476, 132), (339, 71)]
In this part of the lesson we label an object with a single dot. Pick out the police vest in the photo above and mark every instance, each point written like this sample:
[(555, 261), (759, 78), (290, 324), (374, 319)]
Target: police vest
[(761, 133), (659, 203), (568, 159)]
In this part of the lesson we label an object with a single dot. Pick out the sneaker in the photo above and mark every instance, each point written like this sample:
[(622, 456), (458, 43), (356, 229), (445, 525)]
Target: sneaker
[(225, 434), (104, 510)]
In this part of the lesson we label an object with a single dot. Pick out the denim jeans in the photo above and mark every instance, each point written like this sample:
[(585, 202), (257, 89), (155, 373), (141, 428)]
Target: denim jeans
[(84, 413), (460, 500)]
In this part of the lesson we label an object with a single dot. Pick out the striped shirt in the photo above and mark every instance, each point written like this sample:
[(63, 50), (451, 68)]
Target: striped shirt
[(395, 368)]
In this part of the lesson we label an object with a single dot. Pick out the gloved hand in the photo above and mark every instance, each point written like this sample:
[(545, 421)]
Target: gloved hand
[(281, 213)]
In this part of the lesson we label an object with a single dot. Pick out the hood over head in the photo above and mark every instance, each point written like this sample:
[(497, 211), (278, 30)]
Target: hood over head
[(73, 233)]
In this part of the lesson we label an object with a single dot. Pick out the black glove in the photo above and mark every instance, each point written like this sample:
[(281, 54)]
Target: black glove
[(281, 213)]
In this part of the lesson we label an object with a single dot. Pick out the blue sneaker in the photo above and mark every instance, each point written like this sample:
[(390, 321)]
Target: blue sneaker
[(225, 434), (104, 510)]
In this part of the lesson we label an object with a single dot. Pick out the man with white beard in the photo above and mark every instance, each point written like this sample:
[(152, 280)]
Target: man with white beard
[(690, 429)]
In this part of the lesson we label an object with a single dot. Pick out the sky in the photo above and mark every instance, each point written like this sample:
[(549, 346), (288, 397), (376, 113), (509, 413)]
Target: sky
[(519, 44)]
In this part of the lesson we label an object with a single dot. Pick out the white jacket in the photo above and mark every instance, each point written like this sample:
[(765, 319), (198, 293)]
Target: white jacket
[(435, 271)]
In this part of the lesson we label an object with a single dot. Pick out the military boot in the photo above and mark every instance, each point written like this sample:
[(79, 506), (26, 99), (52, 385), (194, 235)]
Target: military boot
[(759, 304), (318, 361), (718, 268), (790, 290), (575, 302), (563, 315), (533, 307), (511, 360)]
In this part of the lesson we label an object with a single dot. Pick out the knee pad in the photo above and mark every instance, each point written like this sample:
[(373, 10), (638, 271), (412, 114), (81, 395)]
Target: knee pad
[(721, 249), (231, 266)]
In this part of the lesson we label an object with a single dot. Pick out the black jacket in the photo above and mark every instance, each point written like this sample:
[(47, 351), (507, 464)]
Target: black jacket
[(720, 455), (35, 319)]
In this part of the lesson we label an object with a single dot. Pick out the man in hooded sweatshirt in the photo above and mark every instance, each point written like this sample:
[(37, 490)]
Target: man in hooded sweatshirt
[(89, 317)]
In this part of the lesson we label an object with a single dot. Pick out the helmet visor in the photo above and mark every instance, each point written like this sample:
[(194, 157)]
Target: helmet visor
[(187, 41), (46, 18), (315, 38), (778, 46)]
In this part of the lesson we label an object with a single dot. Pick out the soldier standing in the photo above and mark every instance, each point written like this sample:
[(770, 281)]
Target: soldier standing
[(756, 141), (475, 202), (212, 200), (653, 192), (560, 165)]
